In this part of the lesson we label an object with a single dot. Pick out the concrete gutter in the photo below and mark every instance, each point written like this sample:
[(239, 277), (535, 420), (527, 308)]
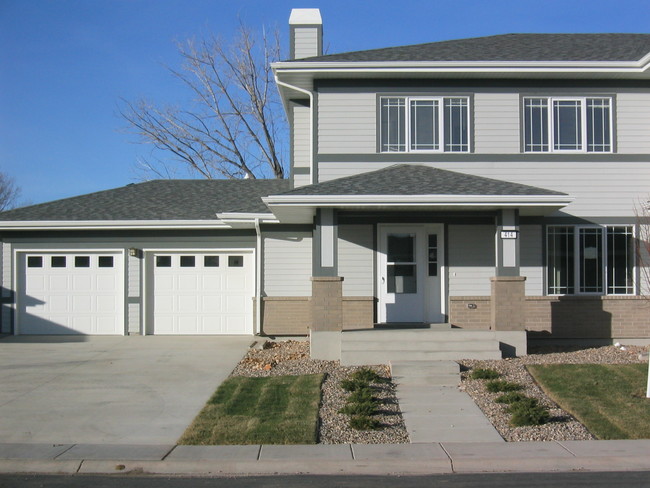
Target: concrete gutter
[(370, 459)]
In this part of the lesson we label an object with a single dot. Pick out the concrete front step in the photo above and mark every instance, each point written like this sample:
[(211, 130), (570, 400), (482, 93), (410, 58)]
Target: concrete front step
[(421, 345), (358, 358), (391, 335)]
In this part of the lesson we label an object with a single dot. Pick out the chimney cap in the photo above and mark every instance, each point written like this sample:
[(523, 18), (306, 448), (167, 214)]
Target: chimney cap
[(305, 16)]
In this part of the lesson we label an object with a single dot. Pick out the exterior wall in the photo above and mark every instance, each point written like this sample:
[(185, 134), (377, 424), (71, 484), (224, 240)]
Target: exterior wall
[(286, 315), (532, 255), (287, 264), (356, 260), (469, 312), (633, 122), (347, 123), (301, 142), (471, 259), (496, 123), (358, 312)]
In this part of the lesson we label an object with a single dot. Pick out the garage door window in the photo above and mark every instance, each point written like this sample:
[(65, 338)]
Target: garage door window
[(163, 261), (187, 261), (210, 261), (105, 261), (58, 261), (35, 262), (235, 261), (82, 261)]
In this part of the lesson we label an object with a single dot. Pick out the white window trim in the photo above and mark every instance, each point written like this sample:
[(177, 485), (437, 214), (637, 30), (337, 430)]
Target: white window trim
[(440, 124), (583, 123), (576, 261)]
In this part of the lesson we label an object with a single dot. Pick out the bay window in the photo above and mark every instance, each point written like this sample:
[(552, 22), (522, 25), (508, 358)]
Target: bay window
[(567, 124), (416, 124), (590, 260)]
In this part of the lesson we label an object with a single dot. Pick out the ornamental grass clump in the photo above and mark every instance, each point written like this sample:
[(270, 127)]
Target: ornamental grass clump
[(484, 374), (496, 386), (510, 397), (362, 403)]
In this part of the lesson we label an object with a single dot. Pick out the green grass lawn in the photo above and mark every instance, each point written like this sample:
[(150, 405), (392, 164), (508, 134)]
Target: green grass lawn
[(271, 410), (609, 399)]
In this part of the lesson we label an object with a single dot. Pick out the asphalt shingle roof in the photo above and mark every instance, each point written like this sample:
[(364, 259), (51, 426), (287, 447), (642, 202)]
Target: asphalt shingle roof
[(409, 179), (511, 47), (157, 200)]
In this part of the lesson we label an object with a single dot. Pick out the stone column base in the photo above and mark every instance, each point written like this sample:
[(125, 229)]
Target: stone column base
[(508, 303)]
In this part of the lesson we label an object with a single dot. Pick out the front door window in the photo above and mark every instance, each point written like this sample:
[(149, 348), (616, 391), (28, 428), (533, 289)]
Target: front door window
[(401, 264)]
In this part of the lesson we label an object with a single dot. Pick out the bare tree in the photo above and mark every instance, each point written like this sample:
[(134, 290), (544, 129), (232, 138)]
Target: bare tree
[(231, 128), (9, 192)]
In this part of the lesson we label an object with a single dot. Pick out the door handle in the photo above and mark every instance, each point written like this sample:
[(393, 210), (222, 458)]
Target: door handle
[(383, 280)]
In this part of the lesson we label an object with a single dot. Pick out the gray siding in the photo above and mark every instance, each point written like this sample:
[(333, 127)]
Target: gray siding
[(347, 123), (496, 123), (471, 258), (633, 122), (604, 189), (7, 286), (531, 255), (133, 318), (356, 260), (287, 264), (306, 42), (133, 276), (301, 142)]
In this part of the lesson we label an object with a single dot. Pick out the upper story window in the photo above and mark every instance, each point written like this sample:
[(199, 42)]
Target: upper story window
[(567, 124), (414, 124)]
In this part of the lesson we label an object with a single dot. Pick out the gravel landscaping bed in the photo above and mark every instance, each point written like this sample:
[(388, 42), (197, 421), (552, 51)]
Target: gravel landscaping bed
[(562, 425), (292, 358)]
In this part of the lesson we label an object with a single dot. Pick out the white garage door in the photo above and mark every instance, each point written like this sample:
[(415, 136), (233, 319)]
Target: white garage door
[(202, 292), (70, 293)]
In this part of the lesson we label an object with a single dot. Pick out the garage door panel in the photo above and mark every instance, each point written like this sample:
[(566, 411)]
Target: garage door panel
[(205, 296), (67, 292)]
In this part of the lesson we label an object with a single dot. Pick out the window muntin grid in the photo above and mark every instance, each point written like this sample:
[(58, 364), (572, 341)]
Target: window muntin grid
[(590, 260), (424, 124), (567, 124)]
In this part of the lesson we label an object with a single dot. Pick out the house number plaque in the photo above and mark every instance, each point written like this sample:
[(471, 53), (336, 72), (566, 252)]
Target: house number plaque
[(509, 234)]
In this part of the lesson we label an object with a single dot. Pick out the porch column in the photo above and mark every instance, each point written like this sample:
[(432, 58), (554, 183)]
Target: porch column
[(327, 289), (508, 287)]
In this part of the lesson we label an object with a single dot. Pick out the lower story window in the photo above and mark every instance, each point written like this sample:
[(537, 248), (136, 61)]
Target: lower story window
[(597, 260)]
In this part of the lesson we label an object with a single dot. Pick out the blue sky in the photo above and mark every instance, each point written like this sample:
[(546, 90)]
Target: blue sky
[(65, 64)]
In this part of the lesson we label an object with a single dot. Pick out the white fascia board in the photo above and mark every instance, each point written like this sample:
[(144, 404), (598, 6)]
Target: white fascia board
[(245, 220), (414, 200), (110, 224)]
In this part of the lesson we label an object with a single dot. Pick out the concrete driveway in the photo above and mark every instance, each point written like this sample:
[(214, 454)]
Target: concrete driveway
[(114, 390)]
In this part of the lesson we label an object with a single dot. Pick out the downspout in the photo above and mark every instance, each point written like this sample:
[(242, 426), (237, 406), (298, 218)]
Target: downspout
[(258, 279), (311, 124)]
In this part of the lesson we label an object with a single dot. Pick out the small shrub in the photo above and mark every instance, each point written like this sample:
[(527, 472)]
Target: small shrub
[(495, 386), (510, 397), (367, 375), (523, 414), (484, 374), (354, 384), (363, 395), (366, 409), (523, 404), (364, 422)]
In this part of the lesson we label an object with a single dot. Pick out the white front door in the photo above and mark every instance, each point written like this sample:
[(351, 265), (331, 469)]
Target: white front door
[(410, 284)]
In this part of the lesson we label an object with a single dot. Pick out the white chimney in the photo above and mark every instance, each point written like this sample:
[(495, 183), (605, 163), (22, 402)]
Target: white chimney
[(305, 33)]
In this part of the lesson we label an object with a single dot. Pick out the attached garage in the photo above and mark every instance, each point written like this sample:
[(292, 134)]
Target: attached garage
[(70, 292), (200, 292)]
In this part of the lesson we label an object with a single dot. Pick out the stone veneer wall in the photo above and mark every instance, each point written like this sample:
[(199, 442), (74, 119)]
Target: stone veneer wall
[(565, 317), (292, 315)]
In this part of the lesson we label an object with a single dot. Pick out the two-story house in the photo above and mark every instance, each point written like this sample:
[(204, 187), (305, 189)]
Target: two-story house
[(492, 184)]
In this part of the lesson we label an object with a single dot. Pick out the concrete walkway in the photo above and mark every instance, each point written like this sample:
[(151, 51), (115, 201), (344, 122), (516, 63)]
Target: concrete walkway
[(424, 458), (434, 409)]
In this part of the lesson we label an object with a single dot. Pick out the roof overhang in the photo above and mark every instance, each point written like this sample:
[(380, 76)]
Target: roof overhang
[(111, 224), (302, 74), (302, 208), (235, 220)]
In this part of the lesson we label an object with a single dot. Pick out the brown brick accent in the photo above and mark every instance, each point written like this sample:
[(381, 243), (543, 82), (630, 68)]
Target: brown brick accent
[(470, 312), (588, 317), (358, 313), (286, 315), (327, 303), (508, 300)]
